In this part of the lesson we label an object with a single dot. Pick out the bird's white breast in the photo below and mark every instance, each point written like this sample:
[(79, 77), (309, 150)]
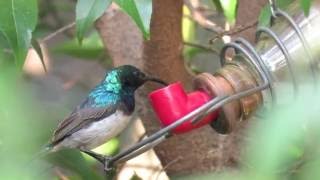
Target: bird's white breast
[(98, 132)]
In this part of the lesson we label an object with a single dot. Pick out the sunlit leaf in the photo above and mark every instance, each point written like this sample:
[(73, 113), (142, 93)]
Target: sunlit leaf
[(108, 149), (305, 5), (18, 19), (229, 10), (188, 26), (87, 11), (140, 11), (188, 31)]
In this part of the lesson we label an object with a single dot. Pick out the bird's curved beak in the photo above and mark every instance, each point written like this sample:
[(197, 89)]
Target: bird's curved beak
[(157, 80)]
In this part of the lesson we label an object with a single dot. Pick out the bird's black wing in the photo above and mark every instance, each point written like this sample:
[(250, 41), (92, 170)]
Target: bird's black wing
[(80, 118)]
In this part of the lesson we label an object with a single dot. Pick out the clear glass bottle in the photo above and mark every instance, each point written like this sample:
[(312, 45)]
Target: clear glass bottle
[(290, 61), (304, 59)]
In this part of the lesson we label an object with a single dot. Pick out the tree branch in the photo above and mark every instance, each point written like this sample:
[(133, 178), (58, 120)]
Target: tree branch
[(200, 18), (234, 31), (200, 46), (55, 33)]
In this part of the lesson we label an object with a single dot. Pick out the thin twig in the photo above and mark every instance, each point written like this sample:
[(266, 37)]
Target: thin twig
[(200, 46), (61, 30), (169, 164), (60, 175), (235, 30), (198, 17), (37, 45)]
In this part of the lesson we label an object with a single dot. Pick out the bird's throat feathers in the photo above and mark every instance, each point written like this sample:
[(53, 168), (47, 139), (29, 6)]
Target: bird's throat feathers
[(111, 91), (112, 82)]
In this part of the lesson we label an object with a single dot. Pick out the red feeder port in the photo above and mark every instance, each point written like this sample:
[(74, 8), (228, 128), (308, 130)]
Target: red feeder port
[(172, 102)]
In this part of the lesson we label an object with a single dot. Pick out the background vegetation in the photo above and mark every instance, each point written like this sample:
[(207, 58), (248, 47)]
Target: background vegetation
[(283, 144)]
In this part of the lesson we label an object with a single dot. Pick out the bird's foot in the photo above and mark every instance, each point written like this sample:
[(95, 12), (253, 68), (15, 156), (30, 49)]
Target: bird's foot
[(98, 157), (105, 160)]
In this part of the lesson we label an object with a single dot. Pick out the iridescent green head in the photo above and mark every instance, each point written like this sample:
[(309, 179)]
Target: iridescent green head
[(126, 77)]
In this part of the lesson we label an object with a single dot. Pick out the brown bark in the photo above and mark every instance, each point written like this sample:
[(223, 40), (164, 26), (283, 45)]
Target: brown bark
[(121, 37), (199, 150), (162, 53)]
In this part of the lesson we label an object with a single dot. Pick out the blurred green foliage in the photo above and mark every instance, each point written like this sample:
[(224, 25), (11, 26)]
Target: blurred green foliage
[(282, 145), (25, 127), (91, 47), (229, 9), (17, 127), (265, 14), (188, 32), (18, 18), (305, 5)]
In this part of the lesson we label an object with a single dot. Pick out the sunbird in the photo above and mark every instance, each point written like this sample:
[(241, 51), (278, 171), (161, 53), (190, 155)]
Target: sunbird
[(103, 114)]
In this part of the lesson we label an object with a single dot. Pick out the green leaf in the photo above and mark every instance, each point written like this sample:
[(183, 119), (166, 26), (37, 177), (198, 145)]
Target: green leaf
[(217, 4), (283, 137), (18, 19), (305, 6), (135, 177), (265, 14), (37, 47), (229, 10), (188, 30), (109, 148), (87, 11), (140, 11)]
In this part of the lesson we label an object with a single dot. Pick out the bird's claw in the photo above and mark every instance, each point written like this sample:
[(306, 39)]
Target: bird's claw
[(107, 164), (105, 160)]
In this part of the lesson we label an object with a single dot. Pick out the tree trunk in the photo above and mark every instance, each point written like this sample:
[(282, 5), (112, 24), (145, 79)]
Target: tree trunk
[(202, 149), (121, 37), (194, 151)]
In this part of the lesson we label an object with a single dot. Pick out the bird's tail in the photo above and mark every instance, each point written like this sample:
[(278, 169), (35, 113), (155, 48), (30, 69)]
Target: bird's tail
[(46, 149), (38, 160)]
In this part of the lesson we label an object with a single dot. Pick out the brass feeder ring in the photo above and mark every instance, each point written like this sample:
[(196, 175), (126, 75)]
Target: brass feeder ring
[(218, 86), (240, 81)]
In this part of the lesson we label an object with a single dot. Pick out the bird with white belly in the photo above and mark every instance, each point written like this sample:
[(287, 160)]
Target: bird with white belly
[(104, 113)]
